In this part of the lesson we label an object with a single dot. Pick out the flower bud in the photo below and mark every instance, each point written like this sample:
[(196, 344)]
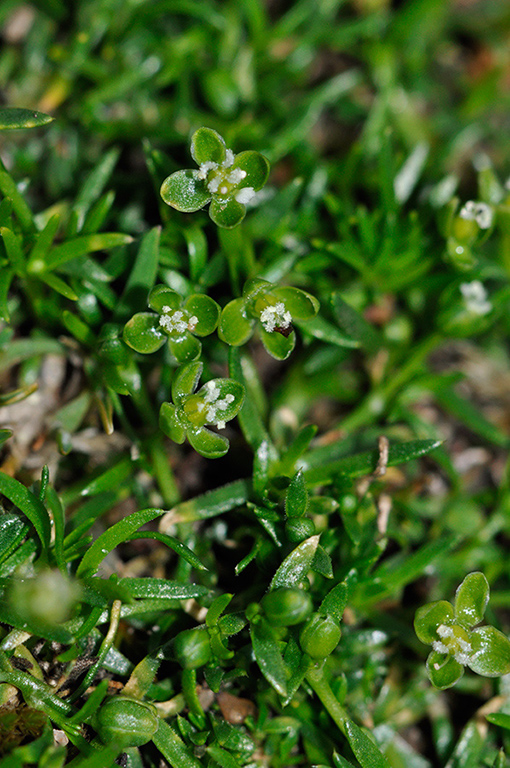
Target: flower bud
[(320, 636), (127, 722), (285, 607), (192, 648)]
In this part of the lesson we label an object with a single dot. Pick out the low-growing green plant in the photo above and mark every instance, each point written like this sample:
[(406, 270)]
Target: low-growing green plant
[(334, 336)]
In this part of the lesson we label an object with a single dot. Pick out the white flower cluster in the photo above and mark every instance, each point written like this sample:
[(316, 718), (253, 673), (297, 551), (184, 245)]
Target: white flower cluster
[(178, 321), (475, 298), (462, 647), (221, 182), (479, 212), (276, 316), (214, 405)]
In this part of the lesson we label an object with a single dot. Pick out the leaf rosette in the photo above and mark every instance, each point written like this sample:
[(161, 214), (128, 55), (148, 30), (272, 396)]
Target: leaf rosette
[(174, 320), (225, 180), (192, 412)]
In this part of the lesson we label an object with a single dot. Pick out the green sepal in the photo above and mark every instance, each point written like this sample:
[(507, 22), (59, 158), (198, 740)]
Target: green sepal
[(443, 671), (207, 146), (162, 296), (170, 424), (207, 443), (228, 214), (185, 348), (143, 333), (256, 168), (277, 345), (255, 286), (206, 310), (491, 652), (296, 498), (184, 191), (226, 387), (429, 617), (301, 305), (471, 599), (235, 328), (186, 380)]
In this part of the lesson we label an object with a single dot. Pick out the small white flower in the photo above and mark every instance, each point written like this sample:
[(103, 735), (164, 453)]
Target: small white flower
[(276, 316), (479, 212), (204, 169), (173, 321), (245, 195), (475, 298), (236, 175)]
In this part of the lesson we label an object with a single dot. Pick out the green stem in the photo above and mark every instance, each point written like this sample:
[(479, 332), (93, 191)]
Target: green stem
[(103, 650), (189, 689), (317, 681)]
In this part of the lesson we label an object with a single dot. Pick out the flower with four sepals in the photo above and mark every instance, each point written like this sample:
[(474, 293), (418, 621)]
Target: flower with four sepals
[(225, 180), (455, 644), (274, 307), (177, 321), (217, 402)]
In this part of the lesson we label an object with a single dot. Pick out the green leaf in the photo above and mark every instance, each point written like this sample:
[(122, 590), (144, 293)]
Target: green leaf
[(14, 117), (217, 607), (235, 327), (112, 538), (6, 276), (499, 718), (177, 546), (277, 345), (268, 656), (206, 310), (471, 599), (335, 601), (355, 325), (185, 192), (365, 463), (429, 617), (81, 246), (207, 443), (36, 260), (12, 531), (185, 380), (443, 671), (367, 753), (197, 252), (29, 504), (256, 168), (170, 424), (320, 329), (162, 296), (300, 304), (9, 189), (250, 419), (142, 275), (296, 565), (296, 498), (491, 652), (173, 748), (143, 333), (185, 348), (222, 757), (322, 563), (142, 587), (228, 214), (14, 250), (209, 504), (207, 146), (58, 285)]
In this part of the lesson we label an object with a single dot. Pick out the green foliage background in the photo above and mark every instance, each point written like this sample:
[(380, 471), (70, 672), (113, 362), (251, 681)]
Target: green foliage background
[(380, 121)]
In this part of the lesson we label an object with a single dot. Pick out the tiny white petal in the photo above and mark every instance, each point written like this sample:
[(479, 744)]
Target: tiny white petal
[(245, 195), (229, 158)]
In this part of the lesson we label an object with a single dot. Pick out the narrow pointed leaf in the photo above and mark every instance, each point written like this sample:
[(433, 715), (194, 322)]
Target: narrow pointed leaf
[(268, 656), (15, 117), (296, 565)]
